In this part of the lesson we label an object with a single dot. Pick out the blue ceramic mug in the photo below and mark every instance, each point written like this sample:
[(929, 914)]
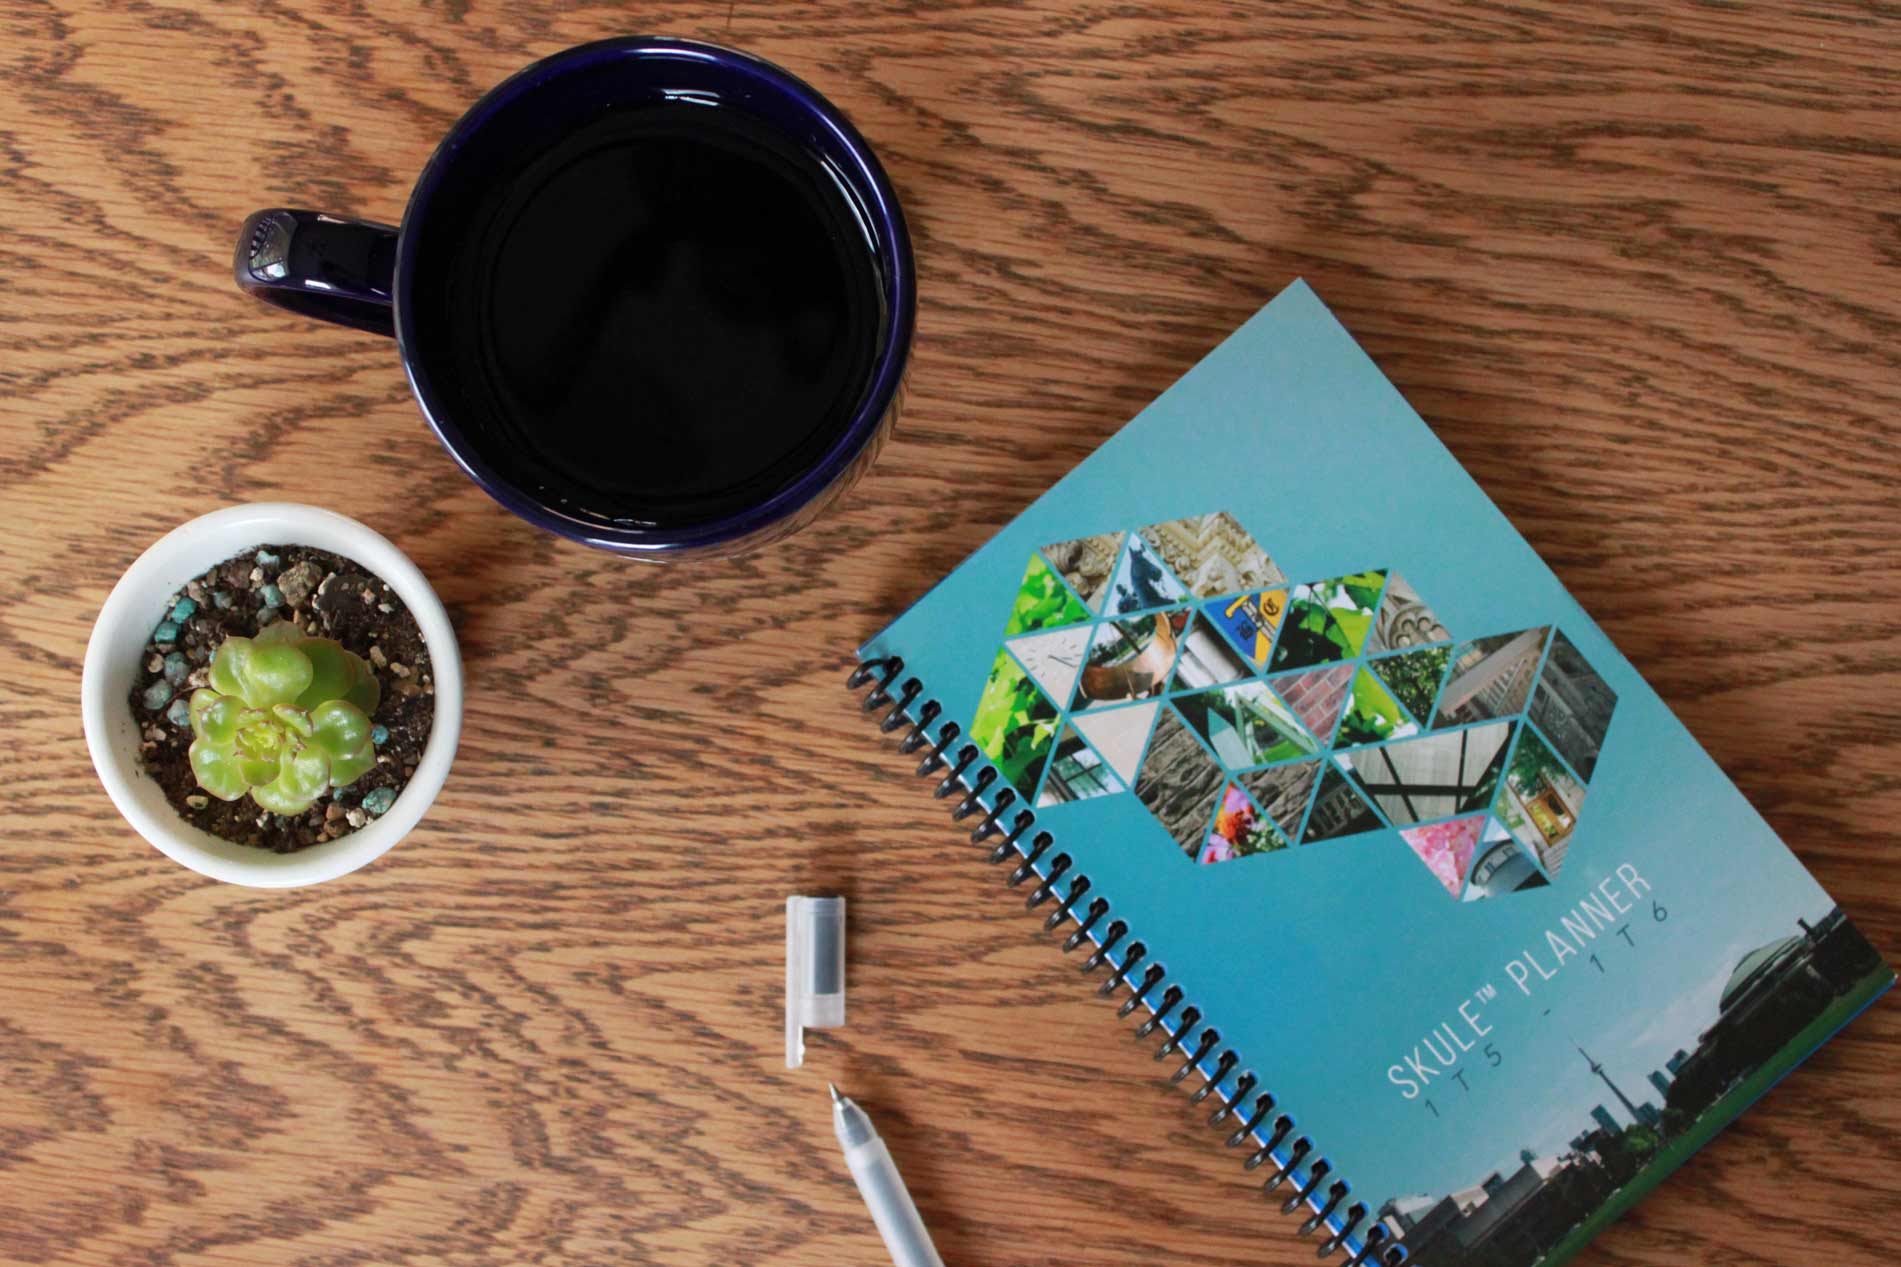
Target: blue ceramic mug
[(653, 295)]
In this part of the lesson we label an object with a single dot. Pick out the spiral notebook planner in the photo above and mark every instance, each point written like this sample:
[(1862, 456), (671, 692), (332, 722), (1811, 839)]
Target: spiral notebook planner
[(1270, 716)]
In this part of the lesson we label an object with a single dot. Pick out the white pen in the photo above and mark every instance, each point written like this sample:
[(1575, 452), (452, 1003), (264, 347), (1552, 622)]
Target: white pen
[(905, 1237)]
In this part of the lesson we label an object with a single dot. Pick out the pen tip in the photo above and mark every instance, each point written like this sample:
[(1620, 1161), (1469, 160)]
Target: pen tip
[(836, 1097)]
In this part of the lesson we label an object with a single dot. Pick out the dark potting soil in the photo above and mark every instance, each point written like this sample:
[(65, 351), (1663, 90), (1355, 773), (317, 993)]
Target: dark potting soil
[(327, 596)]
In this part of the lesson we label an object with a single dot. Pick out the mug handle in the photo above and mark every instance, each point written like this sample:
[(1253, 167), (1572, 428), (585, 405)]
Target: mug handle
[(319, 265)]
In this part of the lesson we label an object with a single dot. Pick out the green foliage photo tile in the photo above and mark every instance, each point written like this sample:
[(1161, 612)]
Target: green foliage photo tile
[(1373, 715), (1414, 678), (1043, 602), (1015, 725), (1328, 620)]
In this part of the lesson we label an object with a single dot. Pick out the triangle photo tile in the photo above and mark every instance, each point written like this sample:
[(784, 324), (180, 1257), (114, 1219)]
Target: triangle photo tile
[(1249, 622), (1088, 564), (1283, 792), (1372, 714), (1446, 848), (1014, 725), (1043, 601), (1076, 773), (1246, 725), (1501, 867), (1338, 810), (1130, 659), (1141, 583), (1437, 776), (1413, 677), (1239, 829), (1573, 706), (1212, 554), (1404, 620), (1054, 659), (1318, 697), (1327, 621), (1490, 677), (1121, 735), (1179, 783), (1206, 659), (1539, 801)]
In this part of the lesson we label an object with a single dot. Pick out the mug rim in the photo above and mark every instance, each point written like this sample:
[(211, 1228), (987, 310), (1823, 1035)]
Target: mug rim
[(894, 346)]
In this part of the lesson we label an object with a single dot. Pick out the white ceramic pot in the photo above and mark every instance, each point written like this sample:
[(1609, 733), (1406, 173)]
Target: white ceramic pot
[(138, 603)]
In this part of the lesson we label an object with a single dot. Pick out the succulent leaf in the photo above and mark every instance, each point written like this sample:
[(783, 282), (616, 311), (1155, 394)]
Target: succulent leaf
[(338, 674), (254, 769), (217, 771), (351, 766), (302, 775), (339, 727), (275, 673), (225, 676), (214, 716), (332, 674), (367, 693), (343, 732), (293, 719)]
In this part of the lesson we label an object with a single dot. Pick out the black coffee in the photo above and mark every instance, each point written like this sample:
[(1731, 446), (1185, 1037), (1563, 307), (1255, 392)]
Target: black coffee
[(662, 319)]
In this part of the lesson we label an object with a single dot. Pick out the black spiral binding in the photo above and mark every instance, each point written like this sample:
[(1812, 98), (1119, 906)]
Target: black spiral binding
[(1294, 1158)]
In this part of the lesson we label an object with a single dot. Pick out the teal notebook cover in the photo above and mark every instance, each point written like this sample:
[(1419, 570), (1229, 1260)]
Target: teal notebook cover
[(1402, 827)]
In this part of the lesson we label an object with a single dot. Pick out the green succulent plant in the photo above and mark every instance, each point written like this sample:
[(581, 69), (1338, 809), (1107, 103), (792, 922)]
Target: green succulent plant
[(286, 718)]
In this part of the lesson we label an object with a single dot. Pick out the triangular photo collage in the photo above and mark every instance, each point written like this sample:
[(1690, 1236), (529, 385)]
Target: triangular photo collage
[(1250, 714)]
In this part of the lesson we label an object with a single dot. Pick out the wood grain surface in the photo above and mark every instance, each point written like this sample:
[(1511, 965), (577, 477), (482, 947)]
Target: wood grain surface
[(1637, 265)]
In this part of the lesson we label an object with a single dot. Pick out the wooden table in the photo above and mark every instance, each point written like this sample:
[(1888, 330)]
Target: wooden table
[(1637, 267)]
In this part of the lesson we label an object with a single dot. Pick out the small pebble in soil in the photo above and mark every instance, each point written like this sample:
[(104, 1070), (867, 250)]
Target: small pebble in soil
[(271, 595), (183, 610), (179, 714), (197, 802), (400, 670), (332, 812), (221, 599), (379, 735), (378, 800), (156, 664), (378, 659), (176, 668), (298, 582), (356, 818), (267, 616), (166, 632), (157, 695), (267, 559)]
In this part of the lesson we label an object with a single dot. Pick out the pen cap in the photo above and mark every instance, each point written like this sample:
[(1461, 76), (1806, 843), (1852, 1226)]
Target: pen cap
[(814, 970)]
